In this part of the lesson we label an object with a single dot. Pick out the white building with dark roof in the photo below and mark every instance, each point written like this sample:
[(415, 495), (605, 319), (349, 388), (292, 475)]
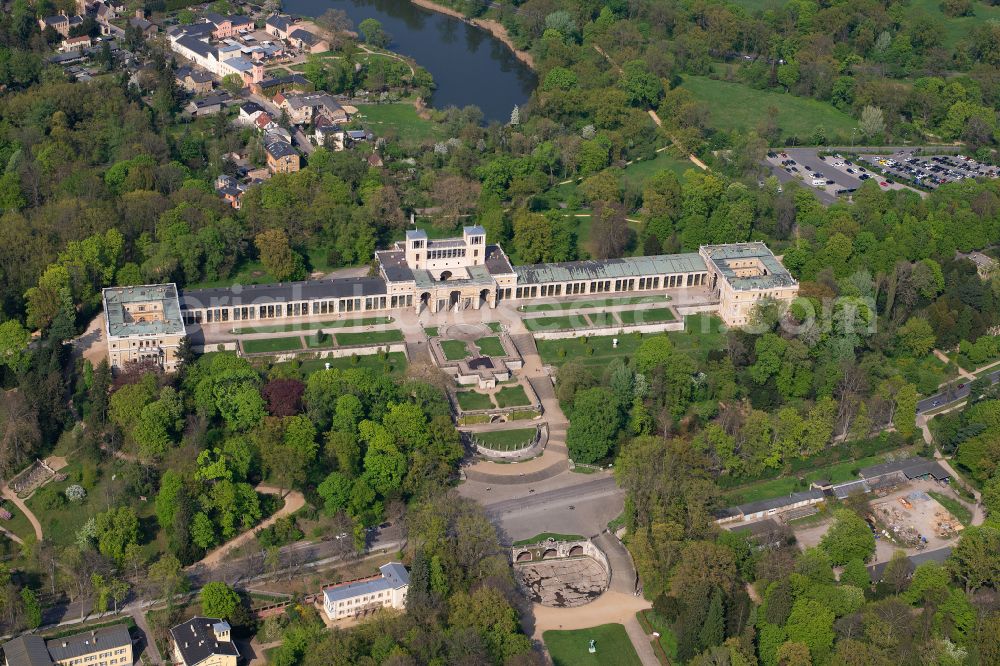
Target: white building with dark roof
[(108, 646), (365, 596), (203, 641)]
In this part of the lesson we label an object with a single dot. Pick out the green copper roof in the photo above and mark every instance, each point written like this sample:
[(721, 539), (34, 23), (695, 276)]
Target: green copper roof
[(121, 324), (663, 264)]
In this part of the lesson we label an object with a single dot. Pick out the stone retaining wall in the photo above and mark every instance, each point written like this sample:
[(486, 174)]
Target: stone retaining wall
[(612, 330), (335, 352), (530, 451)]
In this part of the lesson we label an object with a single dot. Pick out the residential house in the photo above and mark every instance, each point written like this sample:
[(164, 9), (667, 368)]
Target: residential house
[(231, 190), (272, 87), (307, 41), (249, 112), (228, 26), (110, 646), (302, 107), (205, 106), (986, 265), (328, 133), (203, 641), (61, 23), (196, 81), (281, 157), (364, 596), (147, 28), (264, 122), (76, 43), (278, 25)]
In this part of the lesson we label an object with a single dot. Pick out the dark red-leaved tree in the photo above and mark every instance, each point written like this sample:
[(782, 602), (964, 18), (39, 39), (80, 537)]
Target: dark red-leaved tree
[(284, 396)]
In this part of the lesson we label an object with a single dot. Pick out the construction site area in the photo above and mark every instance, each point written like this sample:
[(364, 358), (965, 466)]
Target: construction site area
[(913, 519)]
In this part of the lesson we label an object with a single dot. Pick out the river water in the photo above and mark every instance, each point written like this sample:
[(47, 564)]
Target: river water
[(469, 65)]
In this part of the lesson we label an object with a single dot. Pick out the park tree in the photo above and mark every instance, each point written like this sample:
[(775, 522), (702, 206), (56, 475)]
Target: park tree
[(117, 528), (915, 337), (233, 84), (642, 87), (856, 573), (848, 539), (594, 425), (975, 561), (872, 121), (278, 257), (812, 624), (219, 600), (373, 33), (14, 339)]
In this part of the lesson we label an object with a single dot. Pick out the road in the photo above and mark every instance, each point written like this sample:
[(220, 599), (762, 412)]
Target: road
[(595, 503), (951, 395)]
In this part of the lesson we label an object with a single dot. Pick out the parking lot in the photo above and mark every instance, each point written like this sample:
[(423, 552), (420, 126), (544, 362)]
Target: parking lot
[(831, 176), (929, 171)]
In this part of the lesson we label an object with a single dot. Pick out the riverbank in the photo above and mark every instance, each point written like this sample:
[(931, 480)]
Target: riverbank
[(495, 28)]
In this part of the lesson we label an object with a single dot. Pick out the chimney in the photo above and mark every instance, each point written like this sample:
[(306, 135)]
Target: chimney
[(140, 13)]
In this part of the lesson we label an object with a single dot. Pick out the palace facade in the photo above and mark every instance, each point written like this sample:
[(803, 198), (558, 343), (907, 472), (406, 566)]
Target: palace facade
[(468, 273), (435, 275)]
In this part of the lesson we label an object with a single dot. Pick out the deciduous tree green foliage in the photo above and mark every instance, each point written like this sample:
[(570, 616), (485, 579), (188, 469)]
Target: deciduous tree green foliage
[(219, 600), (850, 538), (594, 425)]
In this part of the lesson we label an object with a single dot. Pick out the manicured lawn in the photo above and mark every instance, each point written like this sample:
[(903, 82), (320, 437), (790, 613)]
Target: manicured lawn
[(393, 364), (512, 396), (313, 342), (431, 332), (638, 172), (545, 536), (317, 325), (702, 334), (454, 350), (401, 117), (506, 440), (272, 345), (646, 316), (592, 350), (599, 303), (490, 346), (18, 524), (954, 507), (602, 319), (734, 106), (370, 337), (469, 400), (493, 326), (555, 323), (569, 648)]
